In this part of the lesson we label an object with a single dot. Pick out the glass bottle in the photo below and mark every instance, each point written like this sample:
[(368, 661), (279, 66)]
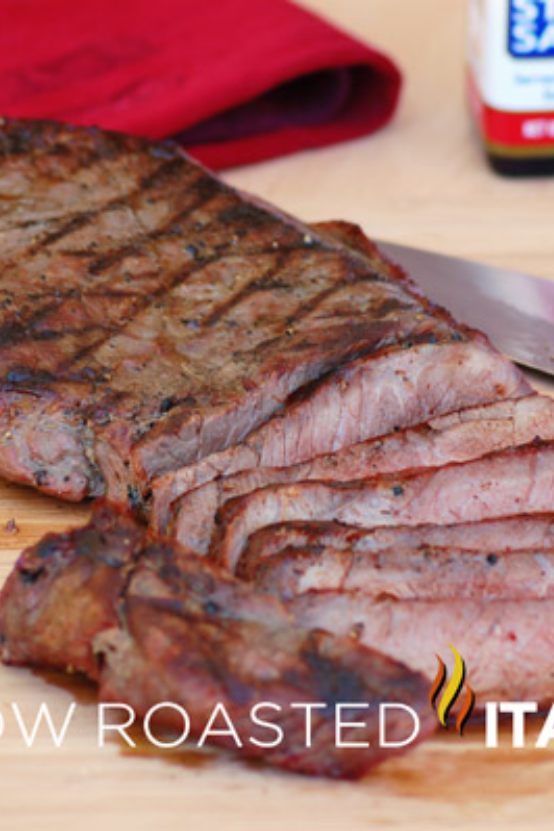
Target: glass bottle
[(511, 82)]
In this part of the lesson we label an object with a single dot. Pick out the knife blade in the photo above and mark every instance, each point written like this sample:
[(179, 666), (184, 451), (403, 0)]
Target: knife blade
[(515, 310)]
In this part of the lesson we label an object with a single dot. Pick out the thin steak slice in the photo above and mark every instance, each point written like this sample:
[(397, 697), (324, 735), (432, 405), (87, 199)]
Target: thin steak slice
[(152, 623), (507, 644), (519, 533), (519, 480), (151, 315), (456, 437), (407, 573)]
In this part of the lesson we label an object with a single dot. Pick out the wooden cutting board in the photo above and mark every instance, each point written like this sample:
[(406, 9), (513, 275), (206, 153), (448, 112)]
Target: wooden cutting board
[(422, 182)]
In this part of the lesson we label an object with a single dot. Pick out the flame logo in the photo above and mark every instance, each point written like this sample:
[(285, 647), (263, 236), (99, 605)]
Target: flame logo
[(452, 692)]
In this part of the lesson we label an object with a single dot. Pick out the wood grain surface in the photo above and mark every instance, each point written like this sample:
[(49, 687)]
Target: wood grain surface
[(422, 181)]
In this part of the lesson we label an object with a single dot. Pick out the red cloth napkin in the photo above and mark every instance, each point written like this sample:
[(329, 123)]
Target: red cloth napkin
[(236, 81)]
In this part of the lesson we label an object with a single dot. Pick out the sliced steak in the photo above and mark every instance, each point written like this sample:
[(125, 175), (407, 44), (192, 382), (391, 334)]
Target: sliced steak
[(369, 399), (519, 533), (407, 573), (151, 315), (519, 480), (507, 644), (153, 623), (457, 437)]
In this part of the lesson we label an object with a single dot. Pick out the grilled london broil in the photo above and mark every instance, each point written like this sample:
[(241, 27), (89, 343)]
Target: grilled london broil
[(151, 316), (275, 396)]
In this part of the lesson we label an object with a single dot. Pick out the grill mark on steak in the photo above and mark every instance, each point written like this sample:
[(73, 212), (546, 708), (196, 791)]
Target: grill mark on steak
[(14, 332), (151, 622), (265, 283), (81, 220), (19, 329), (74, 224), (175, 281), (268, 283), (207, 191), (70, 223)]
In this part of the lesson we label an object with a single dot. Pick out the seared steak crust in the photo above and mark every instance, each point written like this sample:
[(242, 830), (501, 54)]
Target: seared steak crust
[(152, 623), (151, 315)]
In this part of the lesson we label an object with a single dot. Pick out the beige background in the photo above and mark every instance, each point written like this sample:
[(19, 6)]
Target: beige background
[(422, 181)]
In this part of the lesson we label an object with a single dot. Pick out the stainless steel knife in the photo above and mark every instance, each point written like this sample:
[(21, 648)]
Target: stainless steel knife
[(515, 310)]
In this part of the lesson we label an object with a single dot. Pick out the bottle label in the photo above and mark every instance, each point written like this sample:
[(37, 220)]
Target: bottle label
[(531, 28), (511, 67)]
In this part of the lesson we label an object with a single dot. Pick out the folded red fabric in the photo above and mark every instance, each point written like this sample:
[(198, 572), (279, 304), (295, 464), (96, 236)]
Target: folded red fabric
[(236, 81)]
